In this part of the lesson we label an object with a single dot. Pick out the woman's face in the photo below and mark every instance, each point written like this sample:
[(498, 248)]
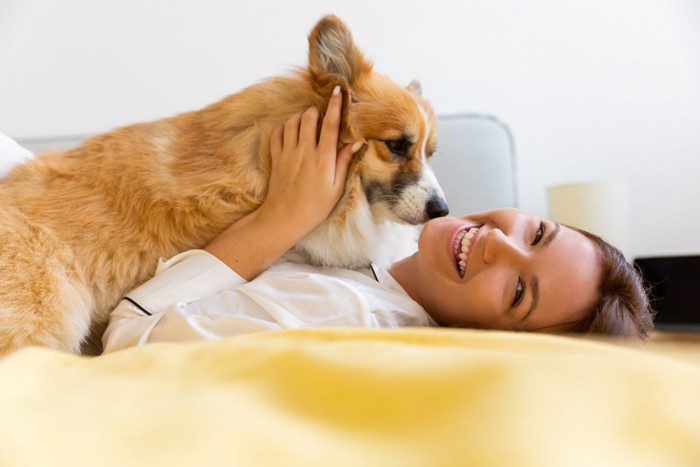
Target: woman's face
[(517, 271)]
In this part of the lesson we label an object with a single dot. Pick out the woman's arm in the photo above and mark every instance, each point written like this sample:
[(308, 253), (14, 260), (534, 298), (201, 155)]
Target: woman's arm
[(306, 182)]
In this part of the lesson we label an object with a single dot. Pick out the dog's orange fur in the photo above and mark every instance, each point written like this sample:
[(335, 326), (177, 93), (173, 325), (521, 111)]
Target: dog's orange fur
[(80, 228)]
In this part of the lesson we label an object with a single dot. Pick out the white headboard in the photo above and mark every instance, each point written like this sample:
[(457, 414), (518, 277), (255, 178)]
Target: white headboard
[(475, 163), (37, 145)]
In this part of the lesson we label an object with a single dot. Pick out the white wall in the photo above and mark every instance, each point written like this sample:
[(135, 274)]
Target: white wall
[(595, 90)]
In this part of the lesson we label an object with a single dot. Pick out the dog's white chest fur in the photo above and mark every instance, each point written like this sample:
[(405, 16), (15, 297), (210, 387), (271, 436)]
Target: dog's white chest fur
[(358, 240)]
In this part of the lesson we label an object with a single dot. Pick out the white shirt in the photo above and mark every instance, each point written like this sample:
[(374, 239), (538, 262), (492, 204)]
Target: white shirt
[(194, 296)]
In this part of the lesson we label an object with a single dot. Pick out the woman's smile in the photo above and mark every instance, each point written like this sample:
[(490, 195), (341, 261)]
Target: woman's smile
[(461, 244)]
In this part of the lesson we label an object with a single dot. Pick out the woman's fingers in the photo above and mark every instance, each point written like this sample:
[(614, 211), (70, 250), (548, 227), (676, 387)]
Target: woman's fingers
[(331, 122), (291, 131), (309, 123), (277, 141), (301, 127), (342, 165)]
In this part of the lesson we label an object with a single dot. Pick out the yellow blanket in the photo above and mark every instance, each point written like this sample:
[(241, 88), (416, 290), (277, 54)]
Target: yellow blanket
[(411, 397)]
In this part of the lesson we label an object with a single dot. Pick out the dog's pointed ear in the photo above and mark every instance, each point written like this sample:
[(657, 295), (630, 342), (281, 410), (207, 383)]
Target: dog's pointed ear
[(332, 51), (334, 59), (415, 87)]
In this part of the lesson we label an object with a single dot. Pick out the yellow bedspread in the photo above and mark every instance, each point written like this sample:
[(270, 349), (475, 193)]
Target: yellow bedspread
[(410, 397)]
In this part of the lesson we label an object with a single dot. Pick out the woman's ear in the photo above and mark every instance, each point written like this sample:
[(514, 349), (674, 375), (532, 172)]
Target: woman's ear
[(332, 51)]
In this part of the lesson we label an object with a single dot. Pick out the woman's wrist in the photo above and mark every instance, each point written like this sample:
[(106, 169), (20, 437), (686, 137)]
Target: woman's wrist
[(256, 241), (292, 224)]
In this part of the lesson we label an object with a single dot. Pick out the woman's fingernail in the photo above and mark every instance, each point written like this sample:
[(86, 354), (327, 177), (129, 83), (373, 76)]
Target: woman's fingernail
[(336, 90)]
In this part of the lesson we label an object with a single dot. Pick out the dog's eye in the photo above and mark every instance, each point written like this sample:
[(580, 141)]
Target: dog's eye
[(399, 146)]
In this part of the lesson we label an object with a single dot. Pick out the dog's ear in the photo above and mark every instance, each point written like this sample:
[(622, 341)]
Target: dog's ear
[(332, 51), (334, 59), (415, 87)]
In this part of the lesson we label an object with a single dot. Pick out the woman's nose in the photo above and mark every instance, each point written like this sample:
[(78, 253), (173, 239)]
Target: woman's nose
[(499, 247)]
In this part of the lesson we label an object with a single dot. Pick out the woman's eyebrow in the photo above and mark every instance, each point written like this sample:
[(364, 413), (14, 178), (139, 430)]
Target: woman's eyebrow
[(552, 235)]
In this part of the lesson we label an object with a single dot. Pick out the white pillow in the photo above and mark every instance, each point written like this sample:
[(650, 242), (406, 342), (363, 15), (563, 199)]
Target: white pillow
[(11, 154)]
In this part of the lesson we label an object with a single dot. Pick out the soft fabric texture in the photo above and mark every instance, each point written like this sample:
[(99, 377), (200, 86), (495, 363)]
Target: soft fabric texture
[(11, 154), (407, 397), (194, 296)]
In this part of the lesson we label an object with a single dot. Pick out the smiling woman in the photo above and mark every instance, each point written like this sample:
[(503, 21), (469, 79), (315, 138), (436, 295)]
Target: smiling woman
[(512, 271), (520, 273), (502, 269)]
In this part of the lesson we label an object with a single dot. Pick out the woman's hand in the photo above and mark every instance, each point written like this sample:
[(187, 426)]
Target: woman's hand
[(308, 173), (306, 181)]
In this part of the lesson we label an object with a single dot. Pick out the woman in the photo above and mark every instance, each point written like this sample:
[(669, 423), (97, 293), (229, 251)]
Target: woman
[(504, 269)]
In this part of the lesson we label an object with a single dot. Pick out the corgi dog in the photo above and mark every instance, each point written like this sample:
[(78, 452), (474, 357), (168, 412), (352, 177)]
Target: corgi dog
[(80, 228)]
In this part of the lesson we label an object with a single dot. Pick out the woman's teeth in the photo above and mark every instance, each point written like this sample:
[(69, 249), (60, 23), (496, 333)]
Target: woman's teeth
[(461, 248)]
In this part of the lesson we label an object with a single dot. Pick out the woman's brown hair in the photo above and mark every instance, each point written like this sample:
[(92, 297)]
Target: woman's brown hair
[(622, 308)]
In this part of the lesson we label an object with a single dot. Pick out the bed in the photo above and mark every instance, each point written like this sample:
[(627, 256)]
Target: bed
[(353, 397), (332, 397)]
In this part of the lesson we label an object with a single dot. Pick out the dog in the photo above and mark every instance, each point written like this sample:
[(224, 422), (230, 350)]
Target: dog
[(80, 228)]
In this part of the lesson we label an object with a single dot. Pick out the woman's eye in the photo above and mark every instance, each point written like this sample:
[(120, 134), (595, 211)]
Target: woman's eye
[(398, 147), (519, 292), (538, 235)]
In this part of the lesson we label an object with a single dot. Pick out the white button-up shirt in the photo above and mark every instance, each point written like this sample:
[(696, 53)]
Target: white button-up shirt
[(194, 296)]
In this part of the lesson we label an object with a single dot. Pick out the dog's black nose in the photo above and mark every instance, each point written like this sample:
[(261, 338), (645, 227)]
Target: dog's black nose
[(436, 207)]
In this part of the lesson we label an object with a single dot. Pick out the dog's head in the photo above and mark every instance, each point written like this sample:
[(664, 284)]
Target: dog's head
[(391, 127)]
